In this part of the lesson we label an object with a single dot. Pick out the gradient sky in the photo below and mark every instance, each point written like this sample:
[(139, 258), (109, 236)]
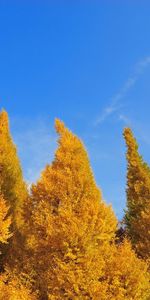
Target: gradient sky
[(87, 63)]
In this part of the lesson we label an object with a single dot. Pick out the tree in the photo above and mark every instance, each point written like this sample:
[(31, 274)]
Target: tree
[(69, 234), (71, 228), (12, 184), (126, 275), (137, 215), (14, 191)]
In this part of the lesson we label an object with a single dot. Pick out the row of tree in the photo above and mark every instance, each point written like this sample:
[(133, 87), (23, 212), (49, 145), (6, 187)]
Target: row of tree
[(61, 240)]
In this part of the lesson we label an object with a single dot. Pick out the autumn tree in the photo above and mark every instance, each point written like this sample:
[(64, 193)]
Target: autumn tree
[(14, 191), (72, 234), (71, 227), (137, 215), (126, 276), (12, 184), (68, 232)]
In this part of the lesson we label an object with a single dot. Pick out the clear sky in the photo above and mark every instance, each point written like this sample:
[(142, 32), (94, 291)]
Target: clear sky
[(87, 63)]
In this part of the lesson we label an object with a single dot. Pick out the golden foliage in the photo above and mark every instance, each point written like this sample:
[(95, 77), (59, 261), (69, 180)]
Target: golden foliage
[(11, 288), (71, 227), (64, 235), (5, 222), (126, 275), (137, 216), (11, 182), (14, 190)]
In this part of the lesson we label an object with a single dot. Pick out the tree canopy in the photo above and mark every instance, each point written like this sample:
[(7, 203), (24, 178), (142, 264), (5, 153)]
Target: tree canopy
[(59, 241)]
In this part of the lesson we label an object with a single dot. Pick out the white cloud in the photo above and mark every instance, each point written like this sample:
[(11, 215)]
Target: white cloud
[(125, 120), (115, 101), (109, 110)]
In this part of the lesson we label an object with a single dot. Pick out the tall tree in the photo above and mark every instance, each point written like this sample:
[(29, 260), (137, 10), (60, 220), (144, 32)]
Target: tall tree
[(13, 189), (72, 234), (137, 215), (13, 193), (12, 184), (71, 227)]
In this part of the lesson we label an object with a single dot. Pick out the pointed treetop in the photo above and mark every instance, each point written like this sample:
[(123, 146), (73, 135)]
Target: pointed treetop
[(71, 151), (68, 183), (59, 126), (132, 155), (130, 139), (4, 121)]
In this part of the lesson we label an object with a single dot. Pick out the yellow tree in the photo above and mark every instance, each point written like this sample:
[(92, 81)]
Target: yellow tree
[(137, 216), (14, 190), (11, 180), (71, 234), (126, 276), (71, 227)]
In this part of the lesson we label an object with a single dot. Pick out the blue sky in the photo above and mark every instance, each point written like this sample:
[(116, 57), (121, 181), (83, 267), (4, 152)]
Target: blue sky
[(87, 63)]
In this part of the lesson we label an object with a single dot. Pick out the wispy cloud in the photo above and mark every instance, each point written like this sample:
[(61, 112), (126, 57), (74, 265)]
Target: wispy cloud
[(125, 120), (115, 102), (36, 143)]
